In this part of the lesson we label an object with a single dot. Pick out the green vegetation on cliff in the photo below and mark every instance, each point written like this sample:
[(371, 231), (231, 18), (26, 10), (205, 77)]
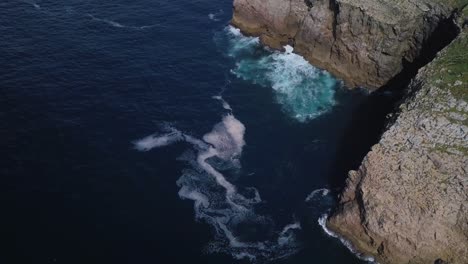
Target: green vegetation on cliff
[(451, 69), (406, 202), (460, 3)]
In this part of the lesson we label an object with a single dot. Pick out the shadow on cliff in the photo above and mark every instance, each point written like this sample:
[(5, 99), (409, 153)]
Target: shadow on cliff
[(370, 118)]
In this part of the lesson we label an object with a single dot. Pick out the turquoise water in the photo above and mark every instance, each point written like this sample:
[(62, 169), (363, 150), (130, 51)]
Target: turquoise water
[(303, 90)]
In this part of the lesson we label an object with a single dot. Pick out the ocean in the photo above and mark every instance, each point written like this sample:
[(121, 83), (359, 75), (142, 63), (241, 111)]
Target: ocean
[(151, 131)]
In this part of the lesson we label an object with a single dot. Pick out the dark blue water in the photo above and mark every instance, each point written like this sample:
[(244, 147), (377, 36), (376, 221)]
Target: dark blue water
[(81, 81)]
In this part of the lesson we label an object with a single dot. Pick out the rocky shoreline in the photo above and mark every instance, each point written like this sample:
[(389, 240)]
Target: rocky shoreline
[(407, 201), (366, 43)]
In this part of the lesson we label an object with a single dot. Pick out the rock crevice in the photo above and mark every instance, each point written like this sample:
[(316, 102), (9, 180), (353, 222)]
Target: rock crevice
[(407, 201)]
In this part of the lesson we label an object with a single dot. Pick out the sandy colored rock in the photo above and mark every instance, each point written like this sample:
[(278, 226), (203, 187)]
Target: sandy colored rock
[(407, 203), (363, 42)]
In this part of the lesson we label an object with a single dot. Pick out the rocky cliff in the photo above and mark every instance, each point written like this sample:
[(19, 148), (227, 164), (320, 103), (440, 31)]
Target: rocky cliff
[(407, 203), (364, 42)]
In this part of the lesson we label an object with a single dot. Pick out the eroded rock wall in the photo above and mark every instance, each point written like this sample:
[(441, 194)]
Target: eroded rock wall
[(363, 42), (407, 203)]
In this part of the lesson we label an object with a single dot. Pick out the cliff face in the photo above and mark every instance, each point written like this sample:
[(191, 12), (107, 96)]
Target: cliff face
[(408, 201), (363, 42)]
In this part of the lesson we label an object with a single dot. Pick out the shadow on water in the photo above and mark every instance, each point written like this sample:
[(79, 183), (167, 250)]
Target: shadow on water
[(371, 116)]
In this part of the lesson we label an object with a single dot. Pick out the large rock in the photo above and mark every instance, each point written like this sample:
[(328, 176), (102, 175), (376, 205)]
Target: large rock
[(408, 201), (363, 42)]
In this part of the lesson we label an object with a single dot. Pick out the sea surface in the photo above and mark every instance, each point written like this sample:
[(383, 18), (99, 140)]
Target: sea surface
[(151, 131)]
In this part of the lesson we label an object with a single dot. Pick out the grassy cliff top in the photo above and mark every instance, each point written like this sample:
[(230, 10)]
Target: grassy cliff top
[(459, 3), (450, 69), (395, 11)]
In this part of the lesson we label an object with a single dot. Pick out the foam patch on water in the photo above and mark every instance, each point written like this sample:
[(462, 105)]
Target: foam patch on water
[(32, 3), (323, 223), (156, 141), (304, 91), (215, 16), (223, 102), (239, 45), (286, 235), (322, 192), (228, 208)]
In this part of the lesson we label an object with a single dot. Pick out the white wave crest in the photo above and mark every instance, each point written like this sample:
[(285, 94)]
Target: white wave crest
[(119, 25), (239, 43), (304, 91), (323, 223)]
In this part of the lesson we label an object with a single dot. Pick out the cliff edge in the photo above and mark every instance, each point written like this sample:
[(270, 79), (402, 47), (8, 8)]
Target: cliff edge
[(364, 42), (407, 203)]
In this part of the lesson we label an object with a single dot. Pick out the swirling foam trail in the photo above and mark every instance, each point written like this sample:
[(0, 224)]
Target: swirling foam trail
[(153, 141), (224, 103), (323, 223), (304, 91), (322, 191), (285, 235), (217, 201)]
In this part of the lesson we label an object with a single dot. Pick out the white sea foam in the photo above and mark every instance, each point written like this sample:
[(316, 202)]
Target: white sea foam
[(323, 223), (314, 193), (156, 141), (214, 16), (244, 255), (287, 236), (217, 201), (199, 198), (304, 91), (224, 103), (239, 44)]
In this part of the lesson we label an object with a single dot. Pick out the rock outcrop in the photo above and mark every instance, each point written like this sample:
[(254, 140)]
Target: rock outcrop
[(364, 42), (408, 201)]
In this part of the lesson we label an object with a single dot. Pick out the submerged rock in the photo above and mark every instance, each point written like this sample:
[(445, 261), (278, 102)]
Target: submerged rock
[(365, 43), (407, 203)]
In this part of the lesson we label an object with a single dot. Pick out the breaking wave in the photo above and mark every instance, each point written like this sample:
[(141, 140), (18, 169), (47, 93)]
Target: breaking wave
[(323, 223), (321, 202), (228, 208), (304, 91)]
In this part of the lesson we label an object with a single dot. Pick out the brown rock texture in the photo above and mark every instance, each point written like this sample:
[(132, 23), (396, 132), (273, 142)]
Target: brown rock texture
[(407, 203), (363, 42)]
